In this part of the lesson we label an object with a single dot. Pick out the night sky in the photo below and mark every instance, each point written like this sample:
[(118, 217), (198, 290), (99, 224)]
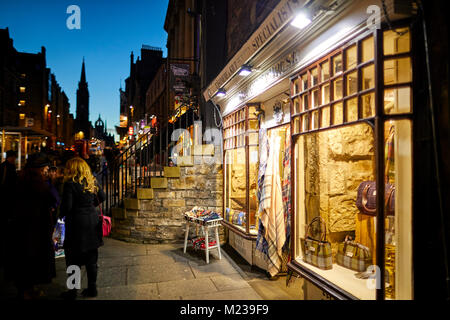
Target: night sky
[(110, 30)]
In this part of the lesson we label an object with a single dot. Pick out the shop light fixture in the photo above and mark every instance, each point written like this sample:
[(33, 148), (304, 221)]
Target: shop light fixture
[(245, 70), (301, 21), (221, 92)]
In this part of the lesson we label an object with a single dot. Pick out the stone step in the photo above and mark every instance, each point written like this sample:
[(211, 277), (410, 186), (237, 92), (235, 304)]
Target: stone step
[(158, 183), (131, 204), (145, 193), (203, 150), (172, 172)]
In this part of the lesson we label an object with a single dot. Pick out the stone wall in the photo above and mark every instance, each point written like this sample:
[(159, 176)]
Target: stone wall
[(160, 219)]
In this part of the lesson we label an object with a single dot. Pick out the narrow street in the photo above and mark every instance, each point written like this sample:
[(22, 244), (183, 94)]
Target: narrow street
[(163, 272)]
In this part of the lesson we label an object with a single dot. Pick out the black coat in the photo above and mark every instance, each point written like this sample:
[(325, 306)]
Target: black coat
[(83, 228), (30, 235)]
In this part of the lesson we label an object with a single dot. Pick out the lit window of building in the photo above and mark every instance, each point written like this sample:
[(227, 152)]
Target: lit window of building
[(22, 89), (22, 116)]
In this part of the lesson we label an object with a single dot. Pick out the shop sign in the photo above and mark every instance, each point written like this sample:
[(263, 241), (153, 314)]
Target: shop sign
[(277, 71), (130, 131), (277, 19), (179, 76)]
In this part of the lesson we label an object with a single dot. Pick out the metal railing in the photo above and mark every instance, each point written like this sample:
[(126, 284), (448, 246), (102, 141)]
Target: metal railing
[(141, 161)]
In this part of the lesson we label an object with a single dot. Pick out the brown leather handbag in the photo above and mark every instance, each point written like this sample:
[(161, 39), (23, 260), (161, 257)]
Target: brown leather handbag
[(366, 199)]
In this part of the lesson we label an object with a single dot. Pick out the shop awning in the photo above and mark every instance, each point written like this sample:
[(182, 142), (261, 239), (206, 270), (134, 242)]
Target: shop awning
[(29, 132)]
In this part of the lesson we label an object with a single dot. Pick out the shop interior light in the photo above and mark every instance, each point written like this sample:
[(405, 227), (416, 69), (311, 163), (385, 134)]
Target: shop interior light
[(301, 20), (245, 70), (221, 92)]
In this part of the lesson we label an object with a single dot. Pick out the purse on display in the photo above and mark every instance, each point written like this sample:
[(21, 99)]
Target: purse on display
[(366, 199), (317, 252), (353, 255)]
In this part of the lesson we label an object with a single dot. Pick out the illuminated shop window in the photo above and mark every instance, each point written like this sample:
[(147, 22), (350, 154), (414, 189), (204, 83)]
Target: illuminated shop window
[(335, 161)]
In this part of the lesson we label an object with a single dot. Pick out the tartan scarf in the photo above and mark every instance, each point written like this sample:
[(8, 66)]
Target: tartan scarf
[(272, 214), (261, 242), (286, 189)]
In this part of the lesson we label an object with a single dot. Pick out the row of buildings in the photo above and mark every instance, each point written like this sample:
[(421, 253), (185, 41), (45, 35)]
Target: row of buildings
[(330, 99), (35, 110)]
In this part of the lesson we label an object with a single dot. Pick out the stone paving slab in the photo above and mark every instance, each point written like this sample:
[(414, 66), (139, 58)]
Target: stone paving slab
[(214, 268), (158, 273), (240, 294), (229, 282), (112, 277), (135, 292), (172, 290)]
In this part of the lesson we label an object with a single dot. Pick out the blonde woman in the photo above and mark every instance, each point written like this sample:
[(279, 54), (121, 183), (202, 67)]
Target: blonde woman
[(81, 196)]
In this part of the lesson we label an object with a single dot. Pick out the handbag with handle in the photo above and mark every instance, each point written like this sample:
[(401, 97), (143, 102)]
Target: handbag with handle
[(105, 222), (353, 255), (366, 199), (317, 252)]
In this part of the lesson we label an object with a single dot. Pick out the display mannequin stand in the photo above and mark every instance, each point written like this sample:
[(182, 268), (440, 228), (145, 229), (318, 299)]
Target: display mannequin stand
[(205, 226)]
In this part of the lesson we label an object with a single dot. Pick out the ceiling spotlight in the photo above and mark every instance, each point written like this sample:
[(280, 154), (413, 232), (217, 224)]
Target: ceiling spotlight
[(221, 92), (245, 70), (301, 20)]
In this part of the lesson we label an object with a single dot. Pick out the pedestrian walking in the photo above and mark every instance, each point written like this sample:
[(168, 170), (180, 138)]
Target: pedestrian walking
[(31, 244), (83, 235)]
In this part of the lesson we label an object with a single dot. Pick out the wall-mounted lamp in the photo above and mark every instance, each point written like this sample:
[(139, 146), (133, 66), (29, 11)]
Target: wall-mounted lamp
[(245, 70), (221, 92), (302, 20)]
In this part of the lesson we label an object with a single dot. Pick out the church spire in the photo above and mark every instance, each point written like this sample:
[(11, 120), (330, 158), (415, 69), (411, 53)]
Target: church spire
[(83, 73)]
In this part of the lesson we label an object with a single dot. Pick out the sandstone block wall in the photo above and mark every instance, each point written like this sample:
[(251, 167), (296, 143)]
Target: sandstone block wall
[(160, 220)]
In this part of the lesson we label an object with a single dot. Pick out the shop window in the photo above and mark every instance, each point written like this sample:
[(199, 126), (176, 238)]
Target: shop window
[(296, 106), (241, 168), (325, 67), (304, 82), (397, 100), (351, 110), (337, 89), (352, 83), (337, 64), (368, 77), (397, 71), (315, 98), (305, 102), (367, 50), (395, 42), (338, 114), (398, 239), (305, 123), (368, 105), (326, 93), (325, 121), (329, 167), (314, 77), (351, 58)]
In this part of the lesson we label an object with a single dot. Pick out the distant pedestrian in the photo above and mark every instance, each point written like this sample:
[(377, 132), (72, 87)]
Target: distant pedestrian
[(83, 235), (51, 180), (33, 254)]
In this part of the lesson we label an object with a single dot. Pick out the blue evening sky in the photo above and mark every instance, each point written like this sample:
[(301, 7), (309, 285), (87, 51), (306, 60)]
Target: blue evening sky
[(110, 30)]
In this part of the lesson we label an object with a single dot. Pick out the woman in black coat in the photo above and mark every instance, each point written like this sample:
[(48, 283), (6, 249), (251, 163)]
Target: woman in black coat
[(83, 234), (32, 251)]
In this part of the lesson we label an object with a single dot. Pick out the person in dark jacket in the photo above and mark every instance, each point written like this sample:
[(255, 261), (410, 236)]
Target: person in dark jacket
[(33, 255), (8, 179), (83, 236)]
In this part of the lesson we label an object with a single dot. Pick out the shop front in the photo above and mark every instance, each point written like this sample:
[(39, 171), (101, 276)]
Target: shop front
[(318, 151)]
